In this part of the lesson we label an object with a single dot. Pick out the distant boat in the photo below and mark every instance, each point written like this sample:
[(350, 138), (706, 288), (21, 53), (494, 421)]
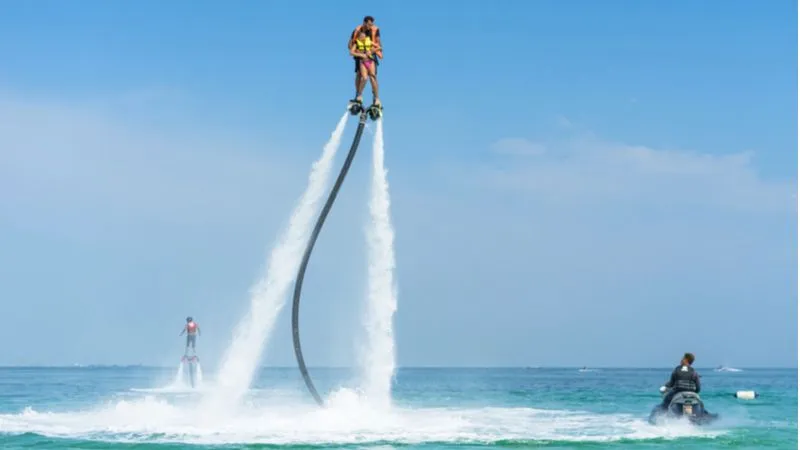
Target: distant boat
[(726, 369), (586, 369)]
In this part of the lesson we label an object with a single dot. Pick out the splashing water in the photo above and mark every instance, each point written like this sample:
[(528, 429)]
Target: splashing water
[(199, 375), (378, 355), (152, 420), (178, 382), (268, 295)]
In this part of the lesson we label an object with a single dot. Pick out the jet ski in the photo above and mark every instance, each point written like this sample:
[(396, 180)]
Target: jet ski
[(683, 404)]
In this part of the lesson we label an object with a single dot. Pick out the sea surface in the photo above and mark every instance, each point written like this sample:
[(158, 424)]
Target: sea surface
[(148, 408)]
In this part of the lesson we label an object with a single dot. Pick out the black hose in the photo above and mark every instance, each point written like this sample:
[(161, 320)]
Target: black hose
[(298, 284)]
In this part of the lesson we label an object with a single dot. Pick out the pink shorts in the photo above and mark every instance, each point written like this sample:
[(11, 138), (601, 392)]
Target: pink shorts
[(367, 63)]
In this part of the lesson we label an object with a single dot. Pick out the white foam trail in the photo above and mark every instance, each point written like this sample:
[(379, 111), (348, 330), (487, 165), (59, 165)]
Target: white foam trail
[(199, 376), (378, 357), (268, 295), (178, 376), (152, 420)]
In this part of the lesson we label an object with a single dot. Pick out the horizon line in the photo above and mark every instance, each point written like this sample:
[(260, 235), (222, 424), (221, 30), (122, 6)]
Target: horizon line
[(157, 366)]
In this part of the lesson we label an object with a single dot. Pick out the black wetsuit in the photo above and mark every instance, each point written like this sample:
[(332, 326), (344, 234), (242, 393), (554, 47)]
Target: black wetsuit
[(683, 379)]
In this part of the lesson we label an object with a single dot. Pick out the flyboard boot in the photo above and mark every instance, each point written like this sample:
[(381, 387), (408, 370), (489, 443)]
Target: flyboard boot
[(355, 106), (375, 111)]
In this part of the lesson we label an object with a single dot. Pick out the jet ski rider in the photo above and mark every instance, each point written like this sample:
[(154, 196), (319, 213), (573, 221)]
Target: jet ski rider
[(683, 379)]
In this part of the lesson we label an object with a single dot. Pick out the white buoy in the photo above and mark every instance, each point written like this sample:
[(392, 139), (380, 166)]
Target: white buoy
[(746, 395)]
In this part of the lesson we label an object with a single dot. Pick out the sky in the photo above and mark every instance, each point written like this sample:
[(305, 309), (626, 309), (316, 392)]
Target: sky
[(572, 182)]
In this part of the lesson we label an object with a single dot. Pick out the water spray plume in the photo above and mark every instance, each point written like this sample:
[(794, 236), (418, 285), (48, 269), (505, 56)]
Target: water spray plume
[(268, 295), (378, 355)]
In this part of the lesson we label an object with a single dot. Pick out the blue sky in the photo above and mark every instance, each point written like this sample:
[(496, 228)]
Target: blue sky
[(567, 178)]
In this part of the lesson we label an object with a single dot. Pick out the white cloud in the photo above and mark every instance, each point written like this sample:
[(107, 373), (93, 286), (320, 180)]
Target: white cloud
[(592, 170), (67, 160), (517, 146), (564, 122)]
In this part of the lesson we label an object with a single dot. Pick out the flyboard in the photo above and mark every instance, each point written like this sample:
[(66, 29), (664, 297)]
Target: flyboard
[(190, 363), (356, 108)]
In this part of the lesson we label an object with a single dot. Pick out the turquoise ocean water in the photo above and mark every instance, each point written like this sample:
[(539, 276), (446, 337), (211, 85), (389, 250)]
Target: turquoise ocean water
[(143, 408)]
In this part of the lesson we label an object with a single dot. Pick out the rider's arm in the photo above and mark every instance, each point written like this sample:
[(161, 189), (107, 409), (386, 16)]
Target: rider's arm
[(697, 381), (182, 331), (354, 52), (376, 39), (671, 381)]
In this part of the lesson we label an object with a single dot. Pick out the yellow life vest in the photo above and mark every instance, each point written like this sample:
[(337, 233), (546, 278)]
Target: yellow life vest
[(364, 46)]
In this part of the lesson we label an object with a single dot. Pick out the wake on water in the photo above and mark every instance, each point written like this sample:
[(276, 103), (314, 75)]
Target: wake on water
[(345, 420)]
